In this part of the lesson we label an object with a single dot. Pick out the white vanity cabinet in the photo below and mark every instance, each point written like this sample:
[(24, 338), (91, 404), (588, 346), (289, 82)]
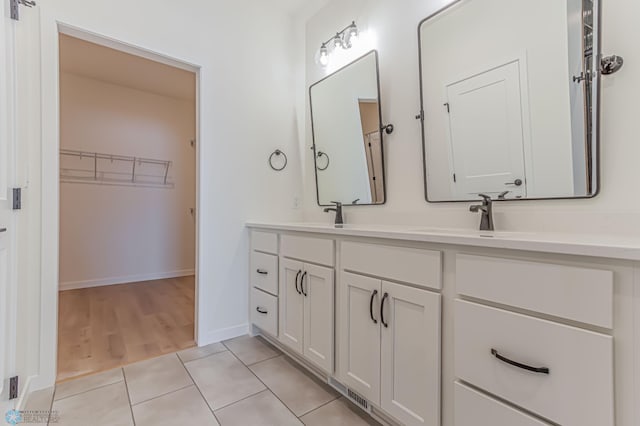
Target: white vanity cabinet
[(263, 276), (389, 333), (307, 299), (456, 330), (558, 371)]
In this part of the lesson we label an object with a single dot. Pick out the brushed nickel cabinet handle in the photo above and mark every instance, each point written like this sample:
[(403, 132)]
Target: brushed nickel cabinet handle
[(541, 370)]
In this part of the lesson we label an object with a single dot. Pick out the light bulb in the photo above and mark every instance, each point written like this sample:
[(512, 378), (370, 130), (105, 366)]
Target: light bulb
[(353, 32), (337, 41), (324, 56)]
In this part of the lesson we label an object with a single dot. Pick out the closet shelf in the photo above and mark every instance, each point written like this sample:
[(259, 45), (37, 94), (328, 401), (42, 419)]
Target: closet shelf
[(111, 169)]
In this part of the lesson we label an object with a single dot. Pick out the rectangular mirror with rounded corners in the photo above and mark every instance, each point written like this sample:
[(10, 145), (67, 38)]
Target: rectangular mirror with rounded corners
[(510, 104), (347, 137)]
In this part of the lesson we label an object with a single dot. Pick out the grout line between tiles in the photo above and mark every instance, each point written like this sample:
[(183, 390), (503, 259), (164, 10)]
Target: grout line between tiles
[(266, 389), (198, 387), (126, 386), (267, 344), (164, 394), (262, 360), (203, 356), (265, 385), (91, 390), (317, 408)]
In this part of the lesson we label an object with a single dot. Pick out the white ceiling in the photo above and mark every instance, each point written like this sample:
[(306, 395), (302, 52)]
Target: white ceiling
[(304, 7), (113, 66)]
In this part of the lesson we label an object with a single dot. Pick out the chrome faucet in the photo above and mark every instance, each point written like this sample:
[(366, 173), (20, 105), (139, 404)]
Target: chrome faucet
[(338, 209), (486, 222)]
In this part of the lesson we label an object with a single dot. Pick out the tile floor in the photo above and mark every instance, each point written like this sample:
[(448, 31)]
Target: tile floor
[(243, 381)]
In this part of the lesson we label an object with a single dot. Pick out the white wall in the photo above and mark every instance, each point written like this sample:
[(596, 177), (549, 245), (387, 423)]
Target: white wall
[(117, 234), (246, 111), (394, 24)]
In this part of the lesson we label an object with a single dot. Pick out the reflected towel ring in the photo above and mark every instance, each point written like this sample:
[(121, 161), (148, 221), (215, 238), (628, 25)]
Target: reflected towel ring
[(277, 152), (320, 154)]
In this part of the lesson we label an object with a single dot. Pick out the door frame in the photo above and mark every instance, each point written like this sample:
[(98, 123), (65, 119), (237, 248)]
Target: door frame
[(50, 136), (8, 131)]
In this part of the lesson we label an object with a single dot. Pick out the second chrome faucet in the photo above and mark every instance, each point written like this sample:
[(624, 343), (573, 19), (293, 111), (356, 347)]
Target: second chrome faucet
[(339, 223), (486, 208)]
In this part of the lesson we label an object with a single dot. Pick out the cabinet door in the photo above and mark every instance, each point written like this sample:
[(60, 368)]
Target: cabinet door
[(291, 304), (317, 287), (410, 367), (360, 335)]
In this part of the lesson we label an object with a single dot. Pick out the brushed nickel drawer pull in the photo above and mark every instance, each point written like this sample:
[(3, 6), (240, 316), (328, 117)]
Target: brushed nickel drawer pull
[(375, 321), (386, 325), (541, 370), (302, 284)]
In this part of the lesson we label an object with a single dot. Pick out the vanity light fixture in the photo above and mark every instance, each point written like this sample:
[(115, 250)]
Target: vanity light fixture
[(342, 40)]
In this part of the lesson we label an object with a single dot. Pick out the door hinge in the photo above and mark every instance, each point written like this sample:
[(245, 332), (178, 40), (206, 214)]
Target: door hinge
[(17, 199), (14, 6), (13, 387), (192, 142)]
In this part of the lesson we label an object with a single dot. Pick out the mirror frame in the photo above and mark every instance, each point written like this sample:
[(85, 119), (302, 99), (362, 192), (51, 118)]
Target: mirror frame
[(313, 135), (595, 116)]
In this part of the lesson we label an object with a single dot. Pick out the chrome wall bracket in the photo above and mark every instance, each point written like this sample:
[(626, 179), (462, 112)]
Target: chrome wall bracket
[(611, 64), (14, 6)]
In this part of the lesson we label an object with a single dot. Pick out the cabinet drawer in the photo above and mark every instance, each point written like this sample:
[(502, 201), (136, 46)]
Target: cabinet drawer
[(264, 311), (578, 294), (415, 266), (577, 391), (264, 272), (473, 408), (315, 250), (264, 241)]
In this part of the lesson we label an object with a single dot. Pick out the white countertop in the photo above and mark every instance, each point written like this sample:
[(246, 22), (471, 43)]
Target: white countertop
[(572, 244)]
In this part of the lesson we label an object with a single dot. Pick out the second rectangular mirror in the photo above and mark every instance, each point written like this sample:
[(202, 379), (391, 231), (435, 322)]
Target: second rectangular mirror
[(347, 137), (510, 99)]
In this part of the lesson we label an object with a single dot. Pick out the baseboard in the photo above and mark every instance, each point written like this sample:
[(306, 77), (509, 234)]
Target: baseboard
[(25, 389), (216, 336), (72, 285)]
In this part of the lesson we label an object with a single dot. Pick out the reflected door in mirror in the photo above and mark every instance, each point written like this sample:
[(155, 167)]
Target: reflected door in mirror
[(509, 99), (486, 133)]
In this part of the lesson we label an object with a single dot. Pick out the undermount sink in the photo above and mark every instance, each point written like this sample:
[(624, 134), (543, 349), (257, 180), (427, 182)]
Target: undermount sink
[(469, 232)]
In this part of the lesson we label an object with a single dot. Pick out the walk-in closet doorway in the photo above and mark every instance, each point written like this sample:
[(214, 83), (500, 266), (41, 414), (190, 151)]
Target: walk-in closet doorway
[(128, 205)]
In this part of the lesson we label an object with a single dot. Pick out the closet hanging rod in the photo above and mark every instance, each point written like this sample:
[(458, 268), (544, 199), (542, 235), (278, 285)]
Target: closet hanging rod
[(112, 157), (108, 169)]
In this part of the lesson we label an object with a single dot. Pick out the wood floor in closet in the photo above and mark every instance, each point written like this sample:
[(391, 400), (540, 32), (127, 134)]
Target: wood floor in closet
[(101, 328)]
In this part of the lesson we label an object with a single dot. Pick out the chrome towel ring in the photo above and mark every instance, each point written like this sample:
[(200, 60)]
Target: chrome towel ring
[(278, 153), (323, 154)]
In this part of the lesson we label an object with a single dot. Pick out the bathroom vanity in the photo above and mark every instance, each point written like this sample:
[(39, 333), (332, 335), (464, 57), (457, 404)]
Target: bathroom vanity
[(454, 327), (429, 326)]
